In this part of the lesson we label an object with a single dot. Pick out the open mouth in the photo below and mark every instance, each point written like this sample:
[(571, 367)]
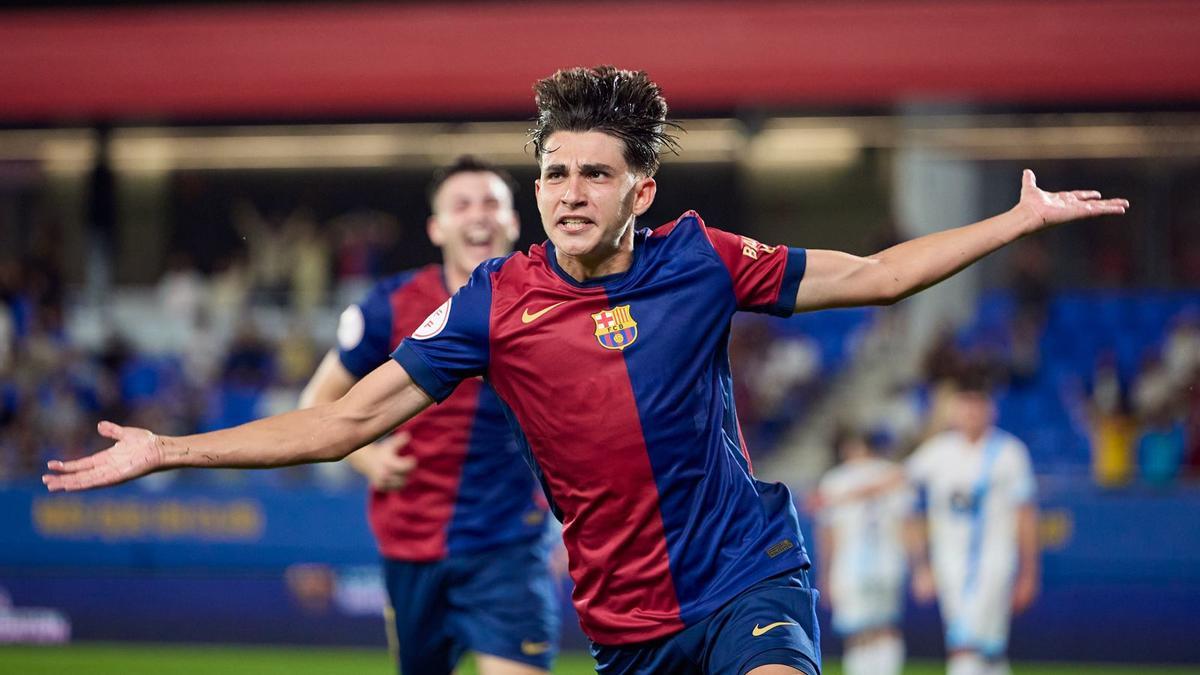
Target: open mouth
[(479, 238), (574, 224)]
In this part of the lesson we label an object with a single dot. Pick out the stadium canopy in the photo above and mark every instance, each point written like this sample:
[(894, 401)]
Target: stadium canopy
[(324, 61)]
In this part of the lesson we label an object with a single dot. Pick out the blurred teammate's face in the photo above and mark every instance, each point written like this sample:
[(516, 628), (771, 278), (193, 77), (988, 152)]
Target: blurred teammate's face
[(588, 196), (974, 413), (473, 219)]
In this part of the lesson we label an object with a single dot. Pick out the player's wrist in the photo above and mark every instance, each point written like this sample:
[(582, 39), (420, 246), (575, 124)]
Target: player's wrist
[(171, 452), (1025, 220)]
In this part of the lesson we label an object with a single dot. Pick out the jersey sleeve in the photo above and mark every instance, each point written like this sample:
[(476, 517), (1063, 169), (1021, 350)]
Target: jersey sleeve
[(364, 333), (451, 345), (918, 467), (765, 278), (920, 462)]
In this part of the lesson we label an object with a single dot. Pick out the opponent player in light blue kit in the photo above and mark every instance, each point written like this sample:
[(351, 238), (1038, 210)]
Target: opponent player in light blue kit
[(608, 344), (862, 563), (981, 523)]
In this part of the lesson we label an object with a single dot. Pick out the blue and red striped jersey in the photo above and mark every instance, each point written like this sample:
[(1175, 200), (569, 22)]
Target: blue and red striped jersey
[(622, 391), (471, 489)]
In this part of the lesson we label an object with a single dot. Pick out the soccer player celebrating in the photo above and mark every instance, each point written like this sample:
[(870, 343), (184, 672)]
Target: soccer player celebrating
[(982, 533), (608, 344), (862, 552), (452, 502)]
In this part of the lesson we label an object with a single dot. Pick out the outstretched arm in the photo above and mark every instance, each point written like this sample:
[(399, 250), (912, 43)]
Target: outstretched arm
[(382, 400), (836, 279), (379, 462)]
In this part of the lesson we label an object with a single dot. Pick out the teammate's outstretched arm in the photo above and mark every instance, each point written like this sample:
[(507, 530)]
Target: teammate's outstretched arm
[(835, 279), (382, 400)]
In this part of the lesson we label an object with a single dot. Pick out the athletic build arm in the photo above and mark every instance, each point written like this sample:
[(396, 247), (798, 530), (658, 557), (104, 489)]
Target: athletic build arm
[(382, 400), (836, 279), (378, 462), (1029, 571), (916, 541)]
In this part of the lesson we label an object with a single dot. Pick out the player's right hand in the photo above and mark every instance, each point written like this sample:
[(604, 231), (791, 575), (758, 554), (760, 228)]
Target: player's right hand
[(385, 468), (137, 452)]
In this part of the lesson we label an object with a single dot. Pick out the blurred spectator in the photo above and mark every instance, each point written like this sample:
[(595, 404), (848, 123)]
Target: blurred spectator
[(1112, 429), (310, 262), (203, 351), (297, 357), (181, 294), (1161, 449), (1154, 390), (1181, 354), (229, 294), (267, 250)]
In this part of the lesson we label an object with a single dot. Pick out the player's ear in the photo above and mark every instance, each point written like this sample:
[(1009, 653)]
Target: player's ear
[(434, 231), (643, 194)]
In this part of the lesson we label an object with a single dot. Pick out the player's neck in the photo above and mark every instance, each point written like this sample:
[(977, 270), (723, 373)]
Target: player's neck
[(974, 436), (584, 267), (454, 276)]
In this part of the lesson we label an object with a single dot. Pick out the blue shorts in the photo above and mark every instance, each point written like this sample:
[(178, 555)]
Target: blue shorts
[(500, 602), (772, 622)]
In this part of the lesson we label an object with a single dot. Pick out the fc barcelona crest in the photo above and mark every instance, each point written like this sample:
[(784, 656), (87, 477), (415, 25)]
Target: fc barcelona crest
[(615, 328)]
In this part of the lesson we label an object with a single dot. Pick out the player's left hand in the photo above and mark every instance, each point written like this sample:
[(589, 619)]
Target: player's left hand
[(1053, 208), (137, 452), (1024, 592)]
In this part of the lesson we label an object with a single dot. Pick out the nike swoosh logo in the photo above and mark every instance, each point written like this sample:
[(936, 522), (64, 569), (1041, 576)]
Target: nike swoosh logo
[(526, 317), (761, 630), (534, 648)]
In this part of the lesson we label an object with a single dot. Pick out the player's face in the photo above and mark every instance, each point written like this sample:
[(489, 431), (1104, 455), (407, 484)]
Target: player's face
[(473, 219), (974, 413), (588, 196)]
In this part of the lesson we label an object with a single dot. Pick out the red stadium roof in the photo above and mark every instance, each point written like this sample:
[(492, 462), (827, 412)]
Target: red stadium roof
[(465, 59)]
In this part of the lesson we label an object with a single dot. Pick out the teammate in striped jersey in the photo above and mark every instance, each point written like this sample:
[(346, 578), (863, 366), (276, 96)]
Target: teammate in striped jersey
[(458, 517)]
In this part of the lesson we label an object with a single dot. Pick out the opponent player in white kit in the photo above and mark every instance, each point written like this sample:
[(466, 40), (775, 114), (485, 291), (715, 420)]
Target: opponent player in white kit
[(862, 556), (981, 516)]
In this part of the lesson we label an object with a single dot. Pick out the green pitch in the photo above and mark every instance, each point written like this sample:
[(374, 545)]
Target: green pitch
[(139, 659)]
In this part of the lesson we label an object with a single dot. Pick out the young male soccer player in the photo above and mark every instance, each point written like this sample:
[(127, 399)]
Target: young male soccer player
[(608, 345), (862, 562), (452, 502), (982, 533)]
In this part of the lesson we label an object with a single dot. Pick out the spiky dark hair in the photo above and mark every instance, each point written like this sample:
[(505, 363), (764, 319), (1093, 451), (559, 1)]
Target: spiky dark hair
[(467, 164), (624, 104)]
